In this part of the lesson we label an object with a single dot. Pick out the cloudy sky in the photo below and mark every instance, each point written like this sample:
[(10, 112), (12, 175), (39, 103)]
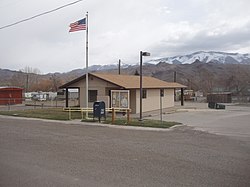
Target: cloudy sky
[(118, 29)]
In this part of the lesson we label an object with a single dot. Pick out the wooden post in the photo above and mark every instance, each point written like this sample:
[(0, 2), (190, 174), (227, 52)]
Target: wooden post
[(82, 113), (69, 114), (128, 117), (113, 115)]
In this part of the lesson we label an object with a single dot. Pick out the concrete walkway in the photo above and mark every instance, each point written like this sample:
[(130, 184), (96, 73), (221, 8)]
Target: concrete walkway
[(233, 121)]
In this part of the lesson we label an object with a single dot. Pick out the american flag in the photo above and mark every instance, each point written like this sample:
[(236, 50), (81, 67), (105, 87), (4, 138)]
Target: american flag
[(78, 25)]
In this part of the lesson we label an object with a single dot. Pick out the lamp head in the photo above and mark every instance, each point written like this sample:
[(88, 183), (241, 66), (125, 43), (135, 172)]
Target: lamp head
[(145, 54)]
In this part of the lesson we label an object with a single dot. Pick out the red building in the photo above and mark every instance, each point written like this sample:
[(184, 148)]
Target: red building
[(11, 95)]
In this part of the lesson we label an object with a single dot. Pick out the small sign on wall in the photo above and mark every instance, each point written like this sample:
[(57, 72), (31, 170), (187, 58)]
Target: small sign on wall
[(120, 98)]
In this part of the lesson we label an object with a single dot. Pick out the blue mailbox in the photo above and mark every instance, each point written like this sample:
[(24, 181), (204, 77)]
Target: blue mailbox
[(99, 110)]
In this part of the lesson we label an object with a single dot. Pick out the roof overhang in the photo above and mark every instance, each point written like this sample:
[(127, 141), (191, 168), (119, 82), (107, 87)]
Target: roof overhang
[(120, 81)]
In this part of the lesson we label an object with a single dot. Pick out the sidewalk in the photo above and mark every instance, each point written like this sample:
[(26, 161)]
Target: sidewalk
[(177, 108), (233, 121)]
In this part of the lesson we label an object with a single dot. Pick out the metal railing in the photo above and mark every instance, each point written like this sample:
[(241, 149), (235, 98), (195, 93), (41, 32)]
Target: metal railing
[(112, 110)]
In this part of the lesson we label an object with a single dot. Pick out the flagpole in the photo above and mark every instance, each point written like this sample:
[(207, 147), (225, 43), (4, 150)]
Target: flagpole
[(87, 73)]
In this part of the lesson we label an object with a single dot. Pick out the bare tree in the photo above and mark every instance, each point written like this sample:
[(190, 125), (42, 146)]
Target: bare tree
[(31, 70), (207, 80), (56, 82), (31, 75), (18, 80)]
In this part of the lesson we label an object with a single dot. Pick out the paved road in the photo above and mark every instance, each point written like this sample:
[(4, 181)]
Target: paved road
[(233, 122), (42, 153)]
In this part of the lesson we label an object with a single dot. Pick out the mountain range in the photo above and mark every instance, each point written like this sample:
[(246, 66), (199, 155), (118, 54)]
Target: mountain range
[(205, 57), (201, 56), (199, 71)]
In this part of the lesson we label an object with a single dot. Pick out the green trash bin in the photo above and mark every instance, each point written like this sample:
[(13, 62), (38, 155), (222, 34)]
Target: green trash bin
[(220, 106), (212, 105)]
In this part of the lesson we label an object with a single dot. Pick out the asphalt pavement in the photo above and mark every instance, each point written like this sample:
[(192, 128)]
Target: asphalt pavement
[(51, 153), (234, 121)]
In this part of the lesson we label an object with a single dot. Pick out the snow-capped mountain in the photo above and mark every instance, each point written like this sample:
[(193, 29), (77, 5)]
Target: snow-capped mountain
[(95, 68), (107, 67), (205, 57)]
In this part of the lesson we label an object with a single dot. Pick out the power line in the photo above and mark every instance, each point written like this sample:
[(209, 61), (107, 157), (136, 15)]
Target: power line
[(38, 15)]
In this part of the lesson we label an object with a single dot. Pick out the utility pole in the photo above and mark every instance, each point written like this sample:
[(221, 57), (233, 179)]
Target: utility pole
[(175, 76), (27, 82), (175, 89), (119, 67)]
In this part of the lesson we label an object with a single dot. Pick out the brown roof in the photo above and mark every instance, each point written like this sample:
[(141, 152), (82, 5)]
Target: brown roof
[(133, 82), (129, 81)]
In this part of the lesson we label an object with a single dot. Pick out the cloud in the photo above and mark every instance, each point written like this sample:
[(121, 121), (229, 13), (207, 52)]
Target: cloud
[(119, 30), (229, 40)]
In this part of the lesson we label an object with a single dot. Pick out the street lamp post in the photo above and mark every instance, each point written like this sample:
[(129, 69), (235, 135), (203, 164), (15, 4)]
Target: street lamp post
[(141, 54)]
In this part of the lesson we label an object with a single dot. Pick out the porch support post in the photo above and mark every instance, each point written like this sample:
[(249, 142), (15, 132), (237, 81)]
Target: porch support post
[(182, 96), (67, 97)]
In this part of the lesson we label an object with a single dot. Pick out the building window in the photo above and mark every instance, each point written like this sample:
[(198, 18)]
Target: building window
[(162, 92), (92, 95), (144, 94)]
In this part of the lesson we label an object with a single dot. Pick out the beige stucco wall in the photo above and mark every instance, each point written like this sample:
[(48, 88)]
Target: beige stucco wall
[(132, 103), (152, 102), (101, 86)]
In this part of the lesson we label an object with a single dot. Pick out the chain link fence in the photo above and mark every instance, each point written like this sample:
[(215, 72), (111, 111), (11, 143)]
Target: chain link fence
[(25, 104)]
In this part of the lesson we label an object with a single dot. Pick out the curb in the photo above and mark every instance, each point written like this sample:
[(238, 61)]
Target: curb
[(76, 122)]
